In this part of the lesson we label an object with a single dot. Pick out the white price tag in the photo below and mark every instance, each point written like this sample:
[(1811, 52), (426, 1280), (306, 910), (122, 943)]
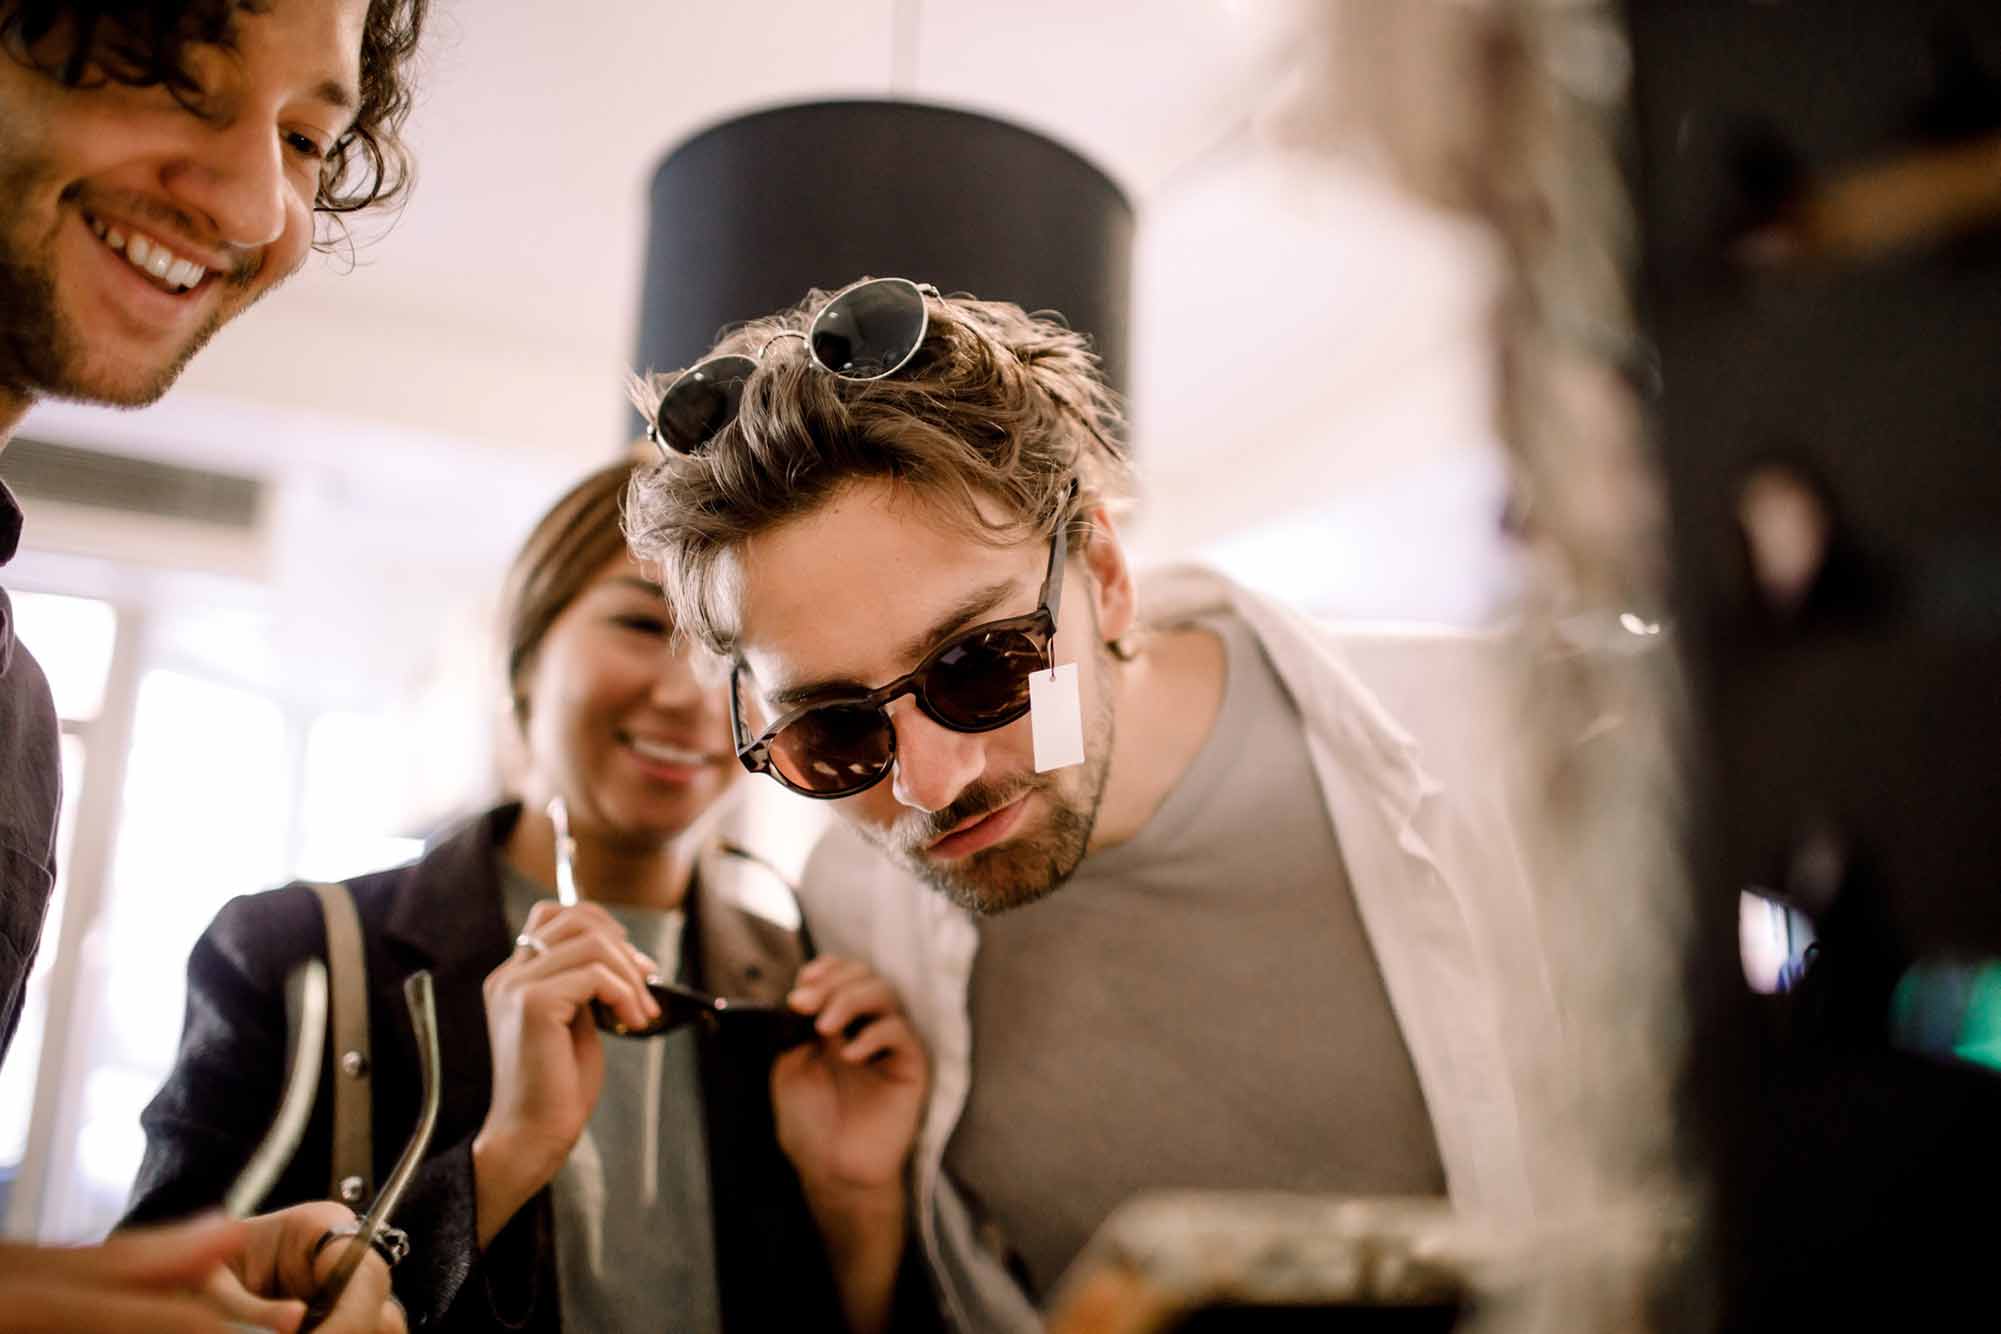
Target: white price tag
[(1057, 715)]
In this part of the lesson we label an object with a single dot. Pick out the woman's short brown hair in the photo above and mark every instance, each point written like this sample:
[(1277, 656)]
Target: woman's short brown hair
[(1002, 418), (579, 536)]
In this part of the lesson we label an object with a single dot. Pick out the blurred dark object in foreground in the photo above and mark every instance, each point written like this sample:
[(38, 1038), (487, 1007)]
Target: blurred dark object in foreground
[(748, 214), (1819, 195)]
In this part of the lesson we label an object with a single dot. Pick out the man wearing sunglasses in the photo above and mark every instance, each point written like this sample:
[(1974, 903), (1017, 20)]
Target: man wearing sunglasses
[(1285, 898), (162, 166)]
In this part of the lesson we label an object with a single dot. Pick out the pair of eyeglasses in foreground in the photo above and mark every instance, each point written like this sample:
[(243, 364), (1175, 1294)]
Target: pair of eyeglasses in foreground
[(306, 1023)]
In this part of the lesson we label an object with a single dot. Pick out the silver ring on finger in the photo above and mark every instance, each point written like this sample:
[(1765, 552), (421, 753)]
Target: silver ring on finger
[(531, 942)]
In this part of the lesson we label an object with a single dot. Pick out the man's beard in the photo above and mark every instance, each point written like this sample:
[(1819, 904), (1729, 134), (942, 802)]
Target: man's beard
[(34, 344), (41, 353), (1029, 866)]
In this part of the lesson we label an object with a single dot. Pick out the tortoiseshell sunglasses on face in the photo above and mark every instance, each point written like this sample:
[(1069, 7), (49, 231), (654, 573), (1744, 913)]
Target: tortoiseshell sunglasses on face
[(976, 681)]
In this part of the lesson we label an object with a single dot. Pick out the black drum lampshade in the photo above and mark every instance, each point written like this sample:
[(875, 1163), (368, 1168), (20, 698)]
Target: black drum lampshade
[(749, 214)]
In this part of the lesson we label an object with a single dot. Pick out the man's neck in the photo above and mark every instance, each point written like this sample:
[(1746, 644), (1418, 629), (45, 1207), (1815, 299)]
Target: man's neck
[(1167, 700)]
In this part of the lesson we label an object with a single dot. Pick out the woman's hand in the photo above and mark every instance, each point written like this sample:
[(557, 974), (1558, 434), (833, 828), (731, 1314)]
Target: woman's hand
[(548, 1065), (847, 1109)]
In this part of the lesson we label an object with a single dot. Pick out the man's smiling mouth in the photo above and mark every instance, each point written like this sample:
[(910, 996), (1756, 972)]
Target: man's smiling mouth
[(166, 270)]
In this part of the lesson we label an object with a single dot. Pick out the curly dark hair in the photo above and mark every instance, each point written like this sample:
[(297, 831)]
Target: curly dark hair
[(144, 43)]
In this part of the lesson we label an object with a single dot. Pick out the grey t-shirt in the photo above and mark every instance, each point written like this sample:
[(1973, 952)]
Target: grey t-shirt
[(635, 1232), (1197, 1008)]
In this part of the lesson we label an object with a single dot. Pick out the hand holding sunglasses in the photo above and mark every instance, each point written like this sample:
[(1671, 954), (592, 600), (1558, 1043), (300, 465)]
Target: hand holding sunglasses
[(774, 1025)]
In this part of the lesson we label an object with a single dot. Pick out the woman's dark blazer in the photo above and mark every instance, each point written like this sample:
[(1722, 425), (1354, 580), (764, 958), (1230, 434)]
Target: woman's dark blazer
[(444, 913)]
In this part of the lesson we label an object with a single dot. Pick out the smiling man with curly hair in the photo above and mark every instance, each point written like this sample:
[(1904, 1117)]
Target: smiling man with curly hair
[(163, 165)]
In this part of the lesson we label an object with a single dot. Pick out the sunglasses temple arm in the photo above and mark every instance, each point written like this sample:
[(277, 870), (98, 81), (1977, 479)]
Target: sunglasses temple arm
[(566, 853), (1052, 582), (306, 1027), (740, 738)]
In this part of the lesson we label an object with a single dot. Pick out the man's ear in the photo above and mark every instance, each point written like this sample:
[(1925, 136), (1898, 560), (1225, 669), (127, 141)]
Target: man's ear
[(1112, 594)]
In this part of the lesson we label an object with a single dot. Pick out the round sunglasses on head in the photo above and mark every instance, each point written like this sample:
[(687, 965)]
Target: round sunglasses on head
[(866, 331), (975, 681)]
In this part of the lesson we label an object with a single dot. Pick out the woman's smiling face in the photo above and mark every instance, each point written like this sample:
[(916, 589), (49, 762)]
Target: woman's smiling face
[(619, 721)]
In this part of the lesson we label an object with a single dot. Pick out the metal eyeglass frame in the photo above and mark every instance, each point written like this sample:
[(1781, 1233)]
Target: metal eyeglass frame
[(420, 995), (306, 1022), (756, 754), (707, 368)]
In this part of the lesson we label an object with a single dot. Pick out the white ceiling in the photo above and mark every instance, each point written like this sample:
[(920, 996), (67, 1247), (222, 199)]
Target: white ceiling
[(502, 305), (1301, 332)]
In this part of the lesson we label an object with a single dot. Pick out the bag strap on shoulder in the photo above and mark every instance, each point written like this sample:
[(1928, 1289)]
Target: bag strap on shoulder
[(353, 1177)]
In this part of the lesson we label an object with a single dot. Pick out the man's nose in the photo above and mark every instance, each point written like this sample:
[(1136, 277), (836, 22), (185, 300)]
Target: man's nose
[(234, 175), (933, 764)]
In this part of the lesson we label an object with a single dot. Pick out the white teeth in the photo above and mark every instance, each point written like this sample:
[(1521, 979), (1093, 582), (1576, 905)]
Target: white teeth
[(151, 257), (666, 754)]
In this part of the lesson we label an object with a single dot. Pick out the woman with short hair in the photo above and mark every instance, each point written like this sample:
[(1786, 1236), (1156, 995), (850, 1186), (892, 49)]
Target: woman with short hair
[(713, 1176)]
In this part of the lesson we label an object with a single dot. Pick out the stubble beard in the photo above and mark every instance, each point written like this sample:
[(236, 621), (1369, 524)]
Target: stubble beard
[(1030, 866), (41, 353), (34, 343)]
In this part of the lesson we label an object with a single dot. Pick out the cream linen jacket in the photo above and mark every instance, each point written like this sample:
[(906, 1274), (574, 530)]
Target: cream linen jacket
[(1408, 734)]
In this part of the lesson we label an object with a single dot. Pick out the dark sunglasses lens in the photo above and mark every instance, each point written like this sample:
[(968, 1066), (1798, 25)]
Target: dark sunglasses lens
[(869, 331), (702, 402), (675, 1012), (982, 681), (834, 750)]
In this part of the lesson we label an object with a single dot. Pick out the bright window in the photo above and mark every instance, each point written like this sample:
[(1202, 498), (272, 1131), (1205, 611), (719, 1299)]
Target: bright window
[(71, 638), (205, 816), (353, 799), (17, 1075)]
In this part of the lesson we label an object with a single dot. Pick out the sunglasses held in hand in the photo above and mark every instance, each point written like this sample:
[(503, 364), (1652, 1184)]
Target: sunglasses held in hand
[(778, 1026)]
